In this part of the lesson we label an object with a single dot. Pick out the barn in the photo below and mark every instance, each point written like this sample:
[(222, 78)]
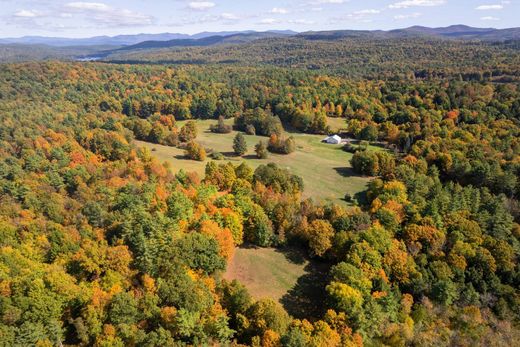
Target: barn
[(333, 140)]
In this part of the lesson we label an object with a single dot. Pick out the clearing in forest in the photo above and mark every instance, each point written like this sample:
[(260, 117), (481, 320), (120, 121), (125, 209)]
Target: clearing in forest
[(284, 275), (325, 169)]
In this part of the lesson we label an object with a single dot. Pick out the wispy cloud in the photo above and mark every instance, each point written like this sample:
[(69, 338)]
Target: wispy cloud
[(321, 2), (362, 16), (201, 5), (489, 7), (407, 16), (26, 14), (365, 12), (104, 14), (301, 21), (489, 18), (417, 3), (279, 10), (229, 16), (267, 21), (91, 6)]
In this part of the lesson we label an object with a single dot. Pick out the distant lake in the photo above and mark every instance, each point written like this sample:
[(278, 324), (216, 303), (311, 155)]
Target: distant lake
[(94, 58)]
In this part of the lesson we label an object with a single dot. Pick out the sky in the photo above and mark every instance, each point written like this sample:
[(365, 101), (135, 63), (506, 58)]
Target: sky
[(71, 18)]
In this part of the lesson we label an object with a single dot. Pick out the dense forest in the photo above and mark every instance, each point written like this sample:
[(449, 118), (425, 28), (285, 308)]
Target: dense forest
[(101, 244), (354, 57)]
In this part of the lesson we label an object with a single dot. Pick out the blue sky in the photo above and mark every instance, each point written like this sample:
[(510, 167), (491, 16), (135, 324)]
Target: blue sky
[(71, 18)]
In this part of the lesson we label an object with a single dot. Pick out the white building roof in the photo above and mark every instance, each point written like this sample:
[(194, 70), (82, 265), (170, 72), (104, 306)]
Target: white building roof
[(333, 137)]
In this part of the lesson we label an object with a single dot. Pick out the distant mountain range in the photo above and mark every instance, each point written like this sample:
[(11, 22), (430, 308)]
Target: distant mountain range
[(231, 38), (453, 32), (125, 40), (142, 41), (118, 47)]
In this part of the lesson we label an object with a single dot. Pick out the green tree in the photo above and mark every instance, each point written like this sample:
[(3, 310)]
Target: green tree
[(239, 144), (261, 150)]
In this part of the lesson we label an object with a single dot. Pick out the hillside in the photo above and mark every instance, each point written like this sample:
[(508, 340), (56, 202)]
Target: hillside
[(275, 47), (237, 38), (355, 57)]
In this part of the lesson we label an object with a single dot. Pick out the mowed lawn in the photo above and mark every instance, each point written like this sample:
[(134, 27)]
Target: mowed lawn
[(266, 272), (325, 169), (284, 275)]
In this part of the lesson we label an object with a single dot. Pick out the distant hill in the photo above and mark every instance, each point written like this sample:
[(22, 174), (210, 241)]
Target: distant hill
[(92, 41), (454, 31), (35, 52), (232, 38), (270, 47), (464, 32), (211, 38), (122, 40)]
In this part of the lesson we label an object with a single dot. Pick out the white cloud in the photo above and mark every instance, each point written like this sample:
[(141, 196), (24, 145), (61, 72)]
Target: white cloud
[(407, 16), (361, 16), (320, 2), (26, 14), (369, 11), (229, 16), (489, 7), (268, 21), (201, 5), (490, 18), (104, 14), (417, 3), (93, 6), (279, 10), (301, 21)]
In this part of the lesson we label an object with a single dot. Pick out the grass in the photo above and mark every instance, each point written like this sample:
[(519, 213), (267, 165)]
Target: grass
[(284, 275), (336, 123), (325, 168)]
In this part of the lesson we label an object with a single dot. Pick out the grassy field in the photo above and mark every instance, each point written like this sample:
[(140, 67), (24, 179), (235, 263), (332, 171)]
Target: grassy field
[(284, 275), (325, 168)]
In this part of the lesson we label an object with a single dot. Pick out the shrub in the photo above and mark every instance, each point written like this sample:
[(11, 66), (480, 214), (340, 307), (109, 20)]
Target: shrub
[(261, 150), (195, 151), (221, 127), (188, 132), (348, 147), (250, 129), (217, 156), (281, 145)]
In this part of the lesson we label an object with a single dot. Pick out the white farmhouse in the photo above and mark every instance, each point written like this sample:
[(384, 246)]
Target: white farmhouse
[(333, 140)]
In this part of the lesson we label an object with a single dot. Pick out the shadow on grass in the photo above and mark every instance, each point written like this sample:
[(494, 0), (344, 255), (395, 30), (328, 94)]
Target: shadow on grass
[(295, 255), (361, 197), (230, 155), (345, 171), (307, 298)]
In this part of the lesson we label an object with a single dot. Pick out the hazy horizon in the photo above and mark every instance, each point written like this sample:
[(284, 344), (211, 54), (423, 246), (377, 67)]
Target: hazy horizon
[(83, 19)]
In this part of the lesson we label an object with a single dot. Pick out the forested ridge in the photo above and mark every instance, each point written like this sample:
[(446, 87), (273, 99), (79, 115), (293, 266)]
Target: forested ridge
[(372, 58), (101, 244)]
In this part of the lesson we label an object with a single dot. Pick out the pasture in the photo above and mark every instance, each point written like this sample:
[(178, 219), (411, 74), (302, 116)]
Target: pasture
[(325, 169), (285, 275)]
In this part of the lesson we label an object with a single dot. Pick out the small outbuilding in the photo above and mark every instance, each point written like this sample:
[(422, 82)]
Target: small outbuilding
[(333, 140)]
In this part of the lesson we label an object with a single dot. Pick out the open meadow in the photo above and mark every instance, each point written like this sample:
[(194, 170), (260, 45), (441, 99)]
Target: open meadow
[(285, 275), (325, 168)]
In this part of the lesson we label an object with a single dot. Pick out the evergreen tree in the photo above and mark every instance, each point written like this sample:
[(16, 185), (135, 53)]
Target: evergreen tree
[(239, 144)]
